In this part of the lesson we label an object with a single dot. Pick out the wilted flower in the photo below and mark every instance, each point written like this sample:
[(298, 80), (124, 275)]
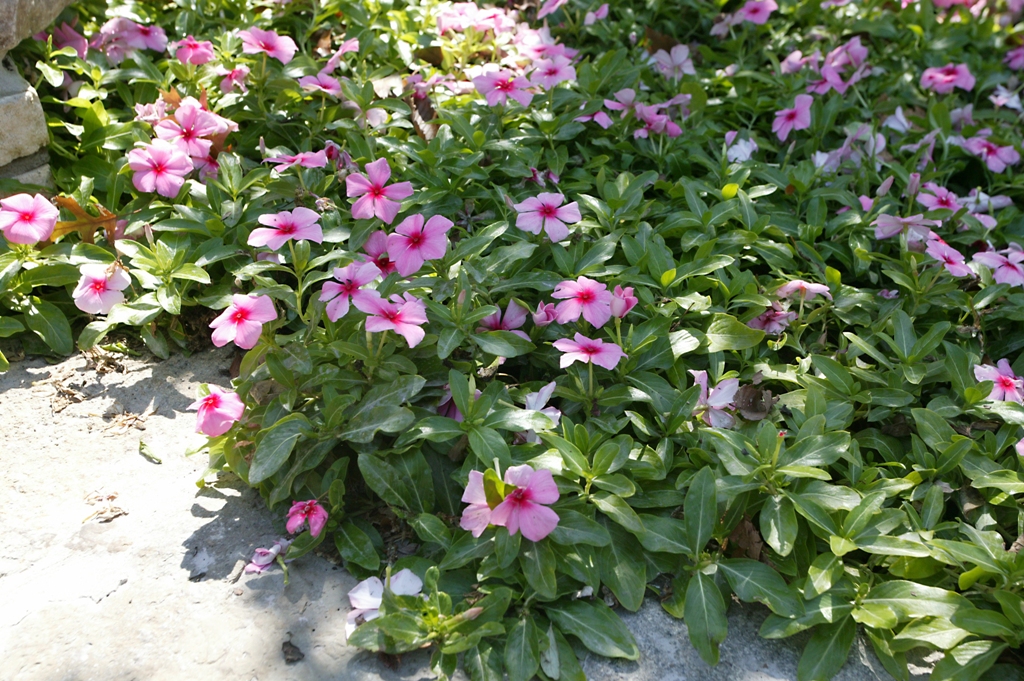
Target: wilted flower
[(367, 596), (264, 558), (774, 320), (301, 511), (807, 290)]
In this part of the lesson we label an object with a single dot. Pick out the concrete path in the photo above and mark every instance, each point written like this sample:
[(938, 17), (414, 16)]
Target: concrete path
[(157, 593)]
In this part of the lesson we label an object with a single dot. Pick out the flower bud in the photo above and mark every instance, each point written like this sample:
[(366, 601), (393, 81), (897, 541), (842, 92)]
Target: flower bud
[(545, 314), (472, 613), (914, 185), (884, 188), (622, 301)]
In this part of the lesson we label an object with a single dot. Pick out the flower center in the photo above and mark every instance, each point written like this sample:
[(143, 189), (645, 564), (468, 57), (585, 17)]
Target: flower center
[(376, 192), (1006, 383), (518, 495), (415, 240), (99, 285), (159, 168), (239, 316), (585, 297), (286, 228), (27, 217), (548, 211), (505, 85)]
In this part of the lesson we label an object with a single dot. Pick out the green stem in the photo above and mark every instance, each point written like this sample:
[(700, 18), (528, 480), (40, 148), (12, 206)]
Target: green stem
[(298, 277)]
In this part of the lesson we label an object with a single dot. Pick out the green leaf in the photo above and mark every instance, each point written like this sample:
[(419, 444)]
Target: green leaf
[(826, 652), (934, 632), (704, 614), (522, 654), (430, 528), (623, 568), (303, 544), (10, 326), (274, 445), (484, 663), (573, 458), (967, 661), (933, 429), (502, 343), (384, 479), (387, 418), (596, 626), (700, 510), (355, 547), (50, 324), (664, 535), (984, 623), (575, 528), (619, 511), (682, 342), (728, 333), (816, 450), (778, 524), (754, 581), (489, 445), (1006, 481), (538, 563), (910, 600), (466, 549)]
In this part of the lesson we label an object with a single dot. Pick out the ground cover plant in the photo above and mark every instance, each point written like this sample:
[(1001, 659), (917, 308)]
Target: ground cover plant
[(549, 308)]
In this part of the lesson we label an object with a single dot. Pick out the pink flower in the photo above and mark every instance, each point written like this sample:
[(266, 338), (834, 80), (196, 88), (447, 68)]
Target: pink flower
[(208, 168), (625, 101), (233, 78), (917, 226), (758, 11), (352, 277), (477, 516), (305, 159), (350, 45), (498, 86), (599, 117), (545, 211), (738, 151), (515, 317), (160, 167), (934, 197), (622, 301), (888, 294), (67, 36), (366, 596), (404, 316), (1008, 387), (711, 407), (415, 242), (376, 248), (1019, 447), (264, 558), (592, 18), (547, 73), (192, 51), (997, 158), (951, 258), (806, 290), (774, 320), (583, 296), (943, 79), (26, 219), (586, 350), (546, 314), (187, 129), (151, 113), (538, 402), (797, 118), (256, 40), (675, 64), (384, 202), (242, 321), (217, 411), (1015, 58), (150, 38), (301, 511), (522, 509), (300, 224), (654, 122), (1006, 269), (549, 6), (100, 288), (321, 82)]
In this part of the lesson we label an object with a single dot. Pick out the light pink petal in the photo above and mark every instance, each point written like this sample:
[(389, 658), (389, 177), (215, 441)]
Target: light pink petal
[(379, 172), (542, 487), (536, 521), (475, 518), (519, 476), (363, 209), (357, 185), (367, 594), (405, 583)]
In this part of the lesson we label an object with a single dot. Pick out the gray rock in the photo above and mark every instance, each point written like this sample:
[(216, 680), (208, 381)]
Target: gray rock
[(24, 127), (22, 18)]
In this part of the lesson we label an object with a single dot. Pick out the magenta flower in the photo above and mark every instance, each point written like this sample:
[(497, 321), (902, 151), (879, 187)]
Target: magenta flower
[(918, 228), (415, 242), (997, 158), (256, 40), (1006, 269), (774, 320), (477, 516), (498, 86), (622, 301), (233, 78), (322, 82), (586, 350), (300, 224), (797, 118), (160, 167), (711, 406), (191, 123), (217, 411), (1008, 387), (192, 51), (549, 6), (149, 37), (934, 197), (654, 122), (403, 315), (301, 511), (806, 290), (942, 79), (304, 159), (26, 219), (546, 314), (352, 278), (376, 248), (583, 296), (545, 211), (100, 288), (951, 259), (242, 321), (384, 202), (675, 64), (515, 317), (547, 73), (757, 11), (522, 509)]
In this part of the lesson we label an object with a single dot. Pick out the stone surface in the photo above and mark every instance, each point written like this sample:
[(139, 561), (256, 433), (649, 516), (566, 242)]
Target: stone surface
[(23, 131), (21, 18), (159, 594)]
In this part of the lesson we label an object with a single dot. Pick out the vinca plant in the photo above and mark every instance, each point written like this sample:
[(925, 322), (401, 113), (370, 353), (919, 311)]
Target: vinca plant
[(548, 308)]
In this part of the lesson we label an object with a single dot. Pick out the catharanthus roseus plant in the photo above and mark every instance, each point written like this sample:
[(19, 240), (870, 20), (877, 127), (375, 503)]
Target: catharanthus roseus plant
[(549, 309)]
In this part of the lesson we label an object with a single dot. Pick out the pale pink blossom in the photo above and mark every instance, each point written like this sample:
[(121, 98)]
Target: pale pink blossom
[(1007, 386), (262, 559), (538, 402), (951, 259), (376, 198), (301, 224), (654, 122), (587, 350), (917, 226), (301, 511), (547, 73), (738, 151), (192, 51), (207, 168), (758, 11), (304, 159), (188, 128), (942, 79), (403, 315), (980, 202), (160, 167), (100, 288), (233, 78), (350, 45), (27, 219), (586, 297), (498, 86), (898, 121), (242, 321), (513, 320), (545, 211), (548, 7), (217, 411), (888, 294), (675, 64), (415, 242), (1004, 97), (525, 508), (622, 301), (934, 197), (321, 82), (477, 516), (1015, 58), (625, 101), (67, 36), (150, 38), (546, 314), (1006, 269), (256, 40), (366, 597), (1019, 447), (376, 248), (151, 113), (599, 117), (774, 320), (962, 116), (592, 18), (712, 406), (805, 290), (351, 279), (797, 118), (997, 158)]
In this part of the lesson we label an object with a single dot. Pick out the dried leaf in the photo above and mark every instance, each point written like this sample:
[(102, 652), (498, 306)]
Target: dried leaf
[(422, 117), (658, 41), (172, 98), (747, 539), (753, 403), (84, 223), (432, 55)]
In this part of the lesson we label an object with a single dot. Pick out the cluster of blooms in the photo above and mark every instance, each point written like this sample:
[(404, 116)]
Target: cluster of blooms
[(754, 11), (523, 508), (851, 55), (656, 118), (121, 37)]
